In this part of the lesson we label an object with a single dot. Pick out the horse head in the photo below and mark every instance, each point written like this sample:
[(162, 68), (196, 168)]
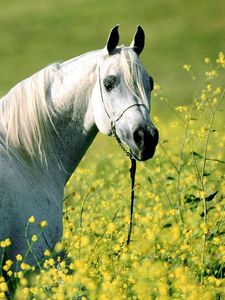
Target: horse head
[(121, 96)]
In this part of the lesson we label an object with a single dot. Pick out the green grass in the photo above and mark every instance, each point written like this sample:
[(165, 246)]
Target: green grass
[(36, 33)]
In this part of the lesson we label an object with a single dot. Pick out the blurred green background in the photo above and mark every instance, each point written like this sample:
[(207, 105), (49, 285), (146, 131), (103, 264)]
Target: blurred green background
[(34, 34)]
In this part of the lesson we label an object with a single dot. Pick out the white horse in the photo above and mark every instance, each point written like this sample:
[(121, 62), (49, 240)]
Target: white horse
[(48, 121)]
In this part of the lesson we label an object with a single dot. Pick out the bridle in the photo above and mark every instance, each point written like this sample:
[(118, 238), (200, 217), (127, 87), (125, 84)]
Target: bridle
[(113, 121)]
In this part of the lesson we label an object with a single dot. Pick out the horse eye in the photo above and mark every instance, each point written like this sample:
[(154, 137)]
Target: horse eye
[(151, 83), (109, 83)]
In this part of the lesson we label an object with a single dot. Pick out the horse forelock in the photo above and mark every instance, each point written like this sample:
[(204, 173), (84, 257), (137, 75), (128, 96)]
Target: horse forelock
[(25, 117), (132, 70)]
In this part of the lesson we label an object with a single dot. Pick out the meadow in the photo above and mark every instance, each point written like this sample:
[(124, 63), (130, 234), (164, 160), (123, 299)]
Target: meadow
[(177, 248)]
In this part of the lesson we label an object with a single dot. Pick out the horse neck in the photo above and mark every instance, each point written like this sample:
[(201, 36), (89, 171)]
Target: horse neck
[(74, 122)]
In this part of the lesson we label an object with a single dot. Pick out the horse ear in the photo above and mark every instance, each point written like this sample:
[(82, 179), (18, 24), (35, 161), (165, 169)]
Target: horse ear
[(113, 39), (138, 42)]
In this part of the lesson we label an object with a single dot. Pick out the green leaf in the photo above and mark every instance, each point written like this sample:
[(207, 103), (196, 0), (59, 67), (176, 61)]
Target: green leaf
[(167, 225), (191, 198), (197, 154), (211, 197), (170, 178)]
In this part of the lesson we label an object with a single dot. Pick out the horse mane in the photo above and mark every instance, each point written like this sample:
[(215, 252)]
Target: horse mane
[(25, 117), (132, 70)]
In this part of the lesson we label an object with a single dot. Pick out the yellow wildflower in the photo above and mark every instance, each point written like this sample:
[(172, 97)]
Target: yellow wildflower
[(221, 59), (43, 224), (216, 240), (111, 228), (7, 265), (202, 194), (26, 291), (31, 219), (59, 247), (217, 91), (34, 238), (19, 257), (5, 243), (9, 273), (8, 242), (51, 262), (204, 228), (23, 281), (181, 108), (47, 253), (24, 266), (187, 68), (2, 295), (3, 287), (157, 87)]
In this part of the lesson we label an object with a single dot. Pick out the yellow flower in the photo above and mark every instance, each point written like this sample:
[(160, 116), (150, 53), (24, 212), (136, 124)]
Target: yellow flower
[(47, 253), (181, 108), (2, 295), (157, 86), (43, 224), (24, 266), (216, 240), (218, 282), (23, 282), (221, 59), (203, 96), (34, 238), (117, 247), (207, 60), (59, 247), (202, 194), (204, 228), (26, 292), (3, 287), (19, 274), (31, 219), (19, 257), (211, 74), (5, 243), (187, 68), (6, 268), (8, 242), (111, 228), (9, 262), (209, 87), (84, 241), (51, 262), (217, 91), (2, 244)]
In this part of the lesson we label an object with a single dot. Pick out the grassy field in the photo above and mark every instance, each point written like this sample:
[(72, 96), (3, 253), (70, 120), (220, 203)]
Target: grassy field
[(178, 243), (36, 33)]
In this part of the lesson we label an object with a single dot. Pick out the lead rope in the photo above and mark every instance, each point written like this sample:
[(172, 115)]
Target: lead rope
[(132, 177)]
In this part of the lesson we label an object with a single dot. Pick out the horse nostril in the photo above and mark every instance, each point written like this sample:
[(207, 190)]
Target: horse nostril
[(138, 137)]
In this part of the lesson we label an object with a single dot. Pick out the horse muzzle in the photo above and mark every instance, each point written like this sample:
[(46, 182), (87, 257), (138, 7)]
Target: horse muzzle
[(145, 142)]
